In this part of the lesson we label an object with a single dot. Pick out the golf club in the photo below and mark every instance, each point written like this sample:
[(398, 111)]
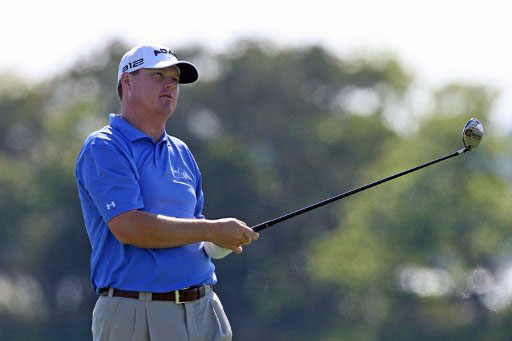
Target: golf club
[(471, 136)]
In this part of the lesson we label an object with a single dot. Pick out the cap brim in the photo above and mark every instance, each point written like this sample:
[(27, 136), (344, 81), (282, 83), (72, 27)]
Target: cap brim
[(188, 72)]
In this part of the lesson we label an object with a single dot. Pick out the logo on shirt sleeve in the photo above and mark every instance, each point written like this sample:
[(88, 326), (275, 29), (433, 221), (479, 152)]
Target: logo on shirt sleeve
[(111, 205)]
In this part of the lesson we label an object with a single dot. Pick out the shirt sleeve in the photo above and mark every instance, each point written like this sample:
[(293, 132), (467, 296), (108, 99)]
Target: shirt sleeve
[(110, 179)]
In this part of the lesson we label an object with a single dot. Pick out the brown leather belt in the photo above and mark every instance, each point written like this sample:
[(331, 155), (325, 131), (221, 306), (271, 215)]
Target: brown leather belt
[(177, 296)]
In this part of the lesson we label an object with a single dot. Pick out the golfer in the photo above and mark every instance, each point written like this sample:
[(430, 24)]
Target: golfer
[(142, 202)]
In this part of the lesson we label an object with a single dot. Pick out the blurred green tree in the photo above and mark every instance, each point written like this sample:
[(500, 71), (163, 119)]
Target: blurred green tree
[(405, 254)]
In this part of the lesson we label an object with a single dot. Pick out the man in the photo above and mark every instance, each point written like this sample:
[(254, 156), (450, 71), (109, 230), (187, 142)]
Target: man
[(141, 197)]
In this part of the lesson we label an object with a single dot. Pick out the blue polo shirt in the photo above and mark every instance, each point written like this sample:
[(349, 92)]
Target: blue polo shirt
[(119, 169)]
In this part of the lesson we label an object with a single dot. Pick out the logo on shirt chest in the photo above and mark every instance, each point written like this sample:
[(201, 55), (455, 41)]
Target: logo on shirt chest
[(180, 174)]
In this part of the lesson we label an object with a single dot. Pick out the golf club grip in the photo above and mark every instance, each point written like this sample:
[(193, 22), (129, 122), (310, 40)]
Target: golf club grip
[(267, 224)]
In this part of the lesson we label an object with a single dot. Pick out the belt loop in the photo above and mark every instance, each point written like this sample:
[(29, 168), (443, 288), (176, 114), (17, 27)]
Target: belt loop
[(110, 292)]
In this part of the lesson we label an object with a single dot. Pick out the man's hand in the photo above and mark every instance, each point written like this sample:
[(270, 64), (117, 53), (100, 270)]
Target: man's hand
[(232, 234)]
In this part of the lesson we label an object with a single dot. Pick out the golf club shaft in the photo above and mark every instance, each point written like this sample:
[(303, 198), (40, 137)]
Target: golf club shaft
[(269, 223)]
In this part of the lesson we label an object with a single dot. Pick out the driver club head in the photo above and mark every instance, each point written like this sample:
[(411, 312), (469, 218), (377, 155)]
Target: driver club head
[(472, 134)]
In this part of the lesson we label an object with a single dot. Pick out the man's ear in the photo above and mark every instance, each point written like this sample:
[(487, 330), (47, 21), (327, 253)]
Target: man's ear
[(126, 79), (124, 84)]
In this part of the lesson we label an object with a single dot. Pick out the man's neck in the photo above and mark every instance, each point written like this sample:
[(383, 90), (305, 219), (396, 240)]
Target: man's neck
[(145, 123)]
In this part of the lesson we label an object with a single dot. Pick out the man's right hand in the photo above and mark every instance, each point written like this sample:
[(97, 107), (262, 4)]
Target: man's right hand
[(231, 233)]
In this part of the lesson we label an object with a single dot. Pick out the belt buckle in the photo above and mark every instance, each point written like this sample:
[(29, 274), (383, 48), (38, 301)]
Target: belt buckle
[(177, 297)]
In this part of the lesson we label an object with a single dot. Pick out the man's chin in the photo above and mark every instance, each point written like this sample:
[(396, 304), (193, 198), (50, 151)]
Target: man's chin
[(168, 107)]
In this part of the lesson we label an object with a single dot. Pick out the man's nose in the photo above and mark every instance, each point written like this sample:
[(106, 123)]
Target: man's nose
[(171, 83)]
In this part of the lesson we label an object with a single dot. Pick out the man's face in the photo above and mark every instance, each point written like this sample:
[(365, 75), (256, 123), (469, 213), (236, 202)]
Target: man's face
[(155, 91)]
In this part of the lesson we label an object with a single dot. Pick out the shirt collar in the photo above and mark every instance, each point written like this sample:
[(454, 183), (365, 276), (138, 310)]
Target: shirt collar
[(132, 133)]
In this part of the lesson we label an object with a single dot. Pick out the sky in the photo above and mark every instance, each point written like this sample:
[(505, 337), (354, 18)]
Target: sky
[(439, 41)]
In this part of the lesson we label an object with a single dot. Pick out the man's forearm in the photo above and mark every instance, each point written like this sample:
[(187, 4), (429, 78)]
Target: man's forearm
[(147, 230)]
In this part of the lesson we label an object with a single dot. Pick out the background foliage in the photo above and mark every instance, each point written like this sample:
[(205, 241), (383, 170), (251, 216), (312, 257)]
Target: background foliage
[(426, 256)]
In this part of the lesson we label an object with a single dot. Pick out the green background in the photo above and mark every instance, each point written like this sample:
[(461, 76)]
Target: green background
[(273, 129)]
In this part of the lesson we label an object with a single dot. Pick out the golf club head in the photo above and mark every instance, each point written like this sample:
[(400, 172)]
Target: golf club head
[(472, 134)]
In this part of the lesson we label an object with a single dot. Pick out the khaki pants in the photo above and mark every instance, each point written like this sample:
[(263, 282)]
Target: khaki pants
[(118, 318)]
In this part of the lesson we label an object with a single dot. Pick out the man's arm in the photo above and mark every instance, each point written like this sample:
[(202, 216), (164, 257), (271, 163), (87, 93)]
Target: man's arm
[(147, 230)]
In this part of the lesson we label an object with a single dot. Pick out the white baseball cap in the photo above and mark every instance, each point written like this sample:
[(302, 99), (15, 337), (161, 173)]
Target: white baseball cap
[(156, 57)]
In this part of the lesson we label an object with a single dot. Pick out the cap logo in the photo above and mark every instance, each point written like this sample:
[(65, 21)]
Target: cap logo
[(157, 52), (131, 65)]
